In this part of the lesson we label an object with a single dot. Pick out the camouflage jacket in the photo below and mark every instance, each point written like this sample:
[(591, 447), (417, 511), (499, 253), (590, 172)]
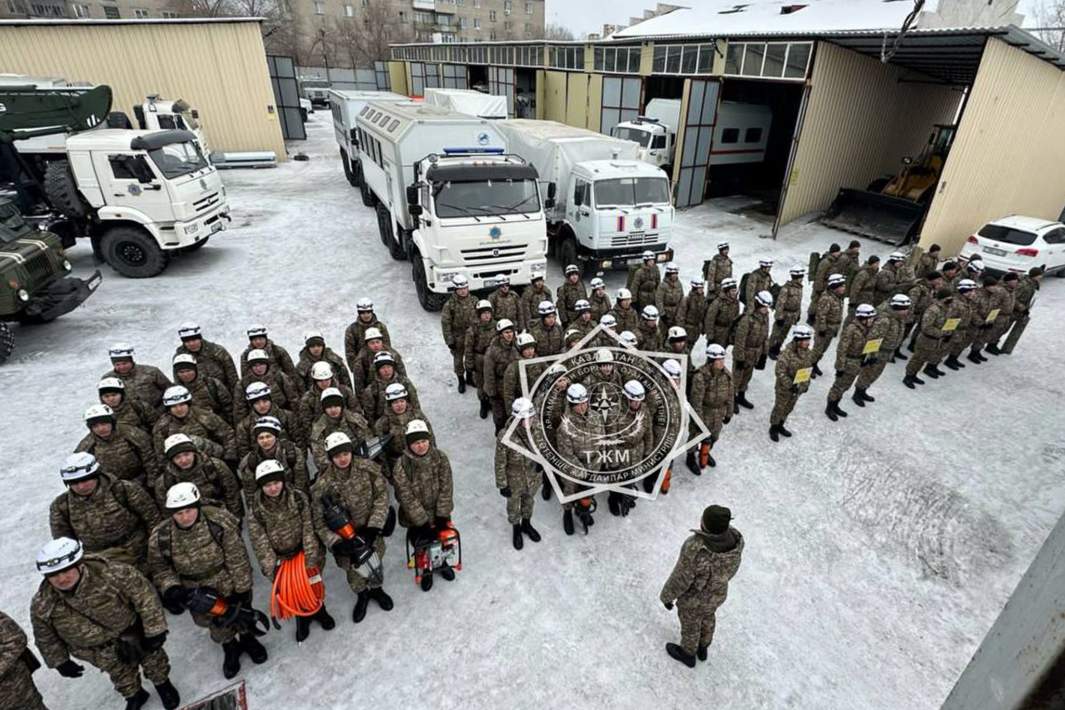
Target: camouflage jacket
[(529, 304), (575, 438), (396, 425), (213, 360), (210, 395), (851, 343), (848, 265), (478, 337), (1001, 299), (17, 690), (691, 312), (355, 338), (644, 284), (981, 307), (548, 340), (360, 490), (711, 392), (280, 527), (757, 280), (890, 327), (289, 430), (127, 454), (283, 392), (789, 302), (920, 296), (926, 263), (1023, 296), (505, 305), (792, 359), (638, 432), (933, 319), (350, 423), (600, 305), (133, 413), (567, 295), (285, 452), (887, 280), (280, 360), (863, 287), (512, 380), (721, 313), (116, 514), (423, 487), (962, 309), (715, 271), (209, 553), (363, 371), (828, 265), (628, 319), (307, 361), (310, 407), (373, 397), (145, 382), (668, 296), (829, 313), (752, 334), (457, 315), (202, 423), (109, 598), (512, 468), (701, 576), (649, 337), (218, 485), (496, 360)]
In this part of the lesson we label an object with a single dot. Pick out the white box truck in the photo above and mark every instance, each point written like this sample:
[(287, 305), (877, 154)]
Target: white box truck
[(608, 206), (468, 101), (345, 105), (448, 198), (655, 130)]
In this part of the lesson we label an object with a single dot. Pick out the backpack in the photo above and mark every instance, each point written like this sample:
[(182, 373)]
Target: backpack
[(811, 267), (743, 286)]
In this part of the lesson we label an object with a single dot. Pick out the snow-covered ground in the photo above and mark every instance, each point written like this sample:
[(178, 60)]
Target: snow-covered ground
[(879, 549)]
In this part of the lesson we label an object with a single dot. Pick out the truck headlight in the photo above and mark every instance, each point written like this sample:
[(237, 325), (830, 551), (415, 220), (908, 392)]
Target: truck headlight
[(23, 295), (538, 267), (67, 266)]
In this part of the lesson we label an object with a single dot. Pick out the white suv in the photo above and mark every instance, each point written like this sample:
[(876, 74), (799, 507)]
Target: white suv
[(1019, 243)]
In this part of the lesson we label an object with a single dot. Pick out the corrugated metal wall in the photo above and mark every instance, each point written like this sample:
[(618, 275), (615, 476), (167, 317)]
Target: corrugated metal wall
[(577, 99), (1009, 154), (555, 96), (218, 67), (860, 123)]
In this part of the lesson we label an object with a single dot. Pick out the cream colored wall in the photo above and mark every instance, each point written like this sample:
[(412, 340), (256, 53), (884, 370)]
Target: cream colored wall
[(397, 76), (555, 96), (577, 99)]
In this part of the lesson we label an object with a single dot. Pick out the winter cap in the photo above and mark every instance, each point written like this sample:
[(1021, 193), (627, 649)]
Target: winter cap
[(182, 495), (331, 397), (716, 519), (989, 280), (873, 259), (121, 351), (189, 331), (269, 471), (338, 442), (855, 244), (372, 334), (58, 555), (321, 371), (79, 467), (266, 425), (256, 390), (933, 275), (935, 248), (176, 444), (395, 391), (176, 395), (949, 266), (417, 430), (313, 337), (257, 331), (1011, 276), (258, 355), (835, 248)]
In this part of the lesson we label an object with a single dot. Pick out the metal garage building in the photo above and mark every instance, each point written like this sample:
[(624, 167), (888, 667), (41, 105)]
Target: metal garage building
[(216, 65), (842, 117)]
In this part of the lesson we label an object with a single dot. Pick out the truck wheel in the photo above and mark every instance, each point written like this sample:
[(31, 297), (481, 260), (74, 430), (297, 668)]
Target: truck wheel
[(347, 166), (62, 191), (356, 174), (567, 252), (133, 253), (7, 342), (364, 191), (384, 226), (430, 301)]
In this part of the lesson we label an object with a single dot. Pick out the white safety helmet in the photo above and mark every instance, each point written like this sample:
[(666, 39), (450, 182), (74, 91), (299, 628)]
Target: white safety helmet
[(628, 339), (79, 466), (257, 331), (697, 282), (608, 320), (321, 371), (483, 305), (864, 310), (267, 424), (966, 285), (176, 395), (416, 430), (183, 360), (310, 335), (728, 283), (582, 305), (835, 280), (672, 369), (715, 352), (576, 393), (522, 408), (189, 331), (99, 412), (802, 332), (677, 333), (572, 334), (372, 334), (572, 269), (722, 245), (58, 555), (182, 495), (504, 324), (459, 281), (598, 283), (383, 358), (546, 308), (765, 263), (649, 313), (648, 254), (764, 298), (624, 294), (109, 384), (329, 392), (604, 357), (257, 355), (525, 339), (901, 301), (976, 265), (364, 305), (672, 268), (271, 470), (503, 279), (120, 351), (634, 391), (176, 444), (338, 441), (256, 390), (896, 256), (797, 271), (395, 391)]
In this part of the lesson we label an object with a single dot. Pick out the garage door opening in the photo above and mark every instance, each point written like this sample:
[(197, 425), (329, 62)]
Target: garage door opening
[(524, 93), (663, 87), (477, 75)]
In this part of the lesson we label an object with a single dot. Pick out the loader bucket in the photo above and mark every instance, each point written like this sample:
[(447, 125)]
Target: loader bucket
[(870, 214), (26, 112)]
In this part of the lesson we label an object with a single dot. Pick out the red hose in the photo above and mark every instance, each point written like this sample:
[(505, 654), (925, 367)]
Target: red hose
[(294, 593)]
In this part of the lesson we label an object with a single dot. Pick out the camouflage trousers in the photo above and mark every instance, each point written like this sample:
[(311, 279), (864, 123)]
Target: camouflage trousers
[(126, 677), (358, 578), (821, 345), (17, 689), (697, 623), (1016, 330), (523, 489), (781, 327), (571, 488), (981, 334), (785, 402), (962, 339), (927, 352), (499, 412), (219, 634), (458, 356), (815, 296), (741, 376), (714, 419), (845, 378), (998, 329), (719, 334)]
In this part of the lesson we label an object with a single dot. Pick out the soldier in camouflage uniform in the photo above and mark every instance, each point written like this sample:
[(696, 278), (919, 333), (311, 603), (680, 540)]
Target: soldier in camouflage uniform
[(182, 417), (636, 429), (1004, 301), (648, 335), (850, 261), (212, 477), (373, 397), (1023, 299), (505, 303), (717, 269), (599, 300), (825, 268), (526, 348), (478, 337), (17, 665), (887, 280), (722, 314), (929, 340), (534, 294), (928, 261), (260, 403), (145, 382), (571, 291), (197, 548), (788, 310), (271, 445), (863, 285), (111, 517), (668, 296), (576, 432), (516, 476), (983, 318), (827, 317), (105, 613), (583, 323), (335, 417), (761, 279), (499, 355), (546, 331), (315, 351), (375, 343), (888, 327), (961, 309), (792, 379), (283, 391), (644, 281), (699, 582), (355, 333), (280, 526), (424, 488), (749, 351), (125, 453), (625, 315), (850, 356), (458, 314), (920, 297), (713, 399), (398, 413), (973, 270), (692, 310), (677, 345), (213, 359), (129, 411), (279, 359), (208, 393), (322, 378)]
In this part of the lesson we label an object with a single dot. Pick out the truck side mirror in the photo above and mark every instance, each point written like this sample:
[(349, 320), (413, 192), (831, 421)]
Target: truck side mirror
[(551, 190), (412, 195), (549, 203), (415, 210), (354, 137)]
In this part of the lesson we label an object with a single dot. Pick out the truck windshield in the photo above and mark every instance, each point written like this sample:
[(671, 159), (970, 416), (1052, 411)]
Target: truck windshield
[(632, 134), (485, 197), (629, 192), (178, 159)]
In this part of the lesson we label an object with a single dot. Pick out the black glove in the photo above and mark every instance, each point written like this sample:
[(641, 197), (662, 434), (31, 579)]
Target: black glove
[(760, 365), (822, 334), (868, 361), (128, 651), (370, 535), (441, 522), (345, 548), (727, 419), (241, 598), (505, 491), (795, 389), (153, 643), (741, 365), (668, 606), (840, 373), (175, 598), (70, 669), (29, 660)]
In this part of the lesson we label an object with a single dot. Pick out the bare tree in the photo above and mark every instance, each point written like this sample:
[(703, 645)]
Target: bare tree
[(199, 8), (369, 35), (1050, 19), (554, 31)]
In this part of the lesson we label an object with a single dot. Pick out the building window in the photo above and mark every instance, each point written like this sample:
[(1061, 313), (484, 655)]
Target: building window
[(492, 36), (753, 135), (507, 7), (476, 23), (528, 27), (683, 59), (80, 11), (140, 13), (567, 57), (528, 8), (730, 135), (624, 60), (169, 15), (506, 25), (773, 60), (349, 11), (111, 12), (45, 10)]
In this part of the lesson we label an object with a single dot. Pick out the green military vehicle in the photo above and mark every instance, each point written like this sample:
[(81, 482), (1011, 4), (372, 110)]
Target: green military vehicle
[(35, 285)]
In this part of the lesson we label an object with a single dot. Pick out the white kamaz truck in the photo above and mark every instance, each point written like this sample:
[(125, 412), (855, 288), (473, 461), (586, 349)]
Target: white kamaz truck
[(655, 131), (610, 206), (345, 106), (449, 198)]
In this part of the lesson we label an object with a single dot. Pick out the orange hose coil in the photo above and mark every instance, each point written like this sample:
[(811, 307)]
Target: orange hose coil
[(297, 591)]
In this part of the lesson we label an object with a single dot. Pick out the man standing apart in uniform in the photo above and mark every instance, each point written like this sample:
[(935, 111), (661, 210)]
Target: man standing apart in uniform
[(793, 371), (458, 314)]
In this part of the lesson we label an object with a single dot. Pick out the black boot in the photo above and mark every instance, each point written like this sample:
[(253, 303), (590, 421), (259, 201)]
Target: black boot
[(516, 537), (817, 371), (912, 381), (935, 369), (486, 407), (857, 397), (953, 364), (974, 355), (324, 619), (710, 460), (303, 628), (253, 648), (839, 412), (774, 352), (701, 653), (693, 463), (469, 378), (545, 491), (447, 573), (567, 521), (898, 354), (427, 581), (993, 349), (741, 399), (231, 662), (137, 700), (774, 433), (613, 503), (866, 396), (930, 370), (361, 602), (529, 530), (168, 695), (830, 411), (782, 431), (677, 653), (735, 408), (379, 595), (462, 385)]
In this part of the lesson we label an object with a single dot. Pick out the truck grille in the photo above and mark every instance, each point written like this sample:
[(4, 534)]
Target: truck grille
[(485, 254), (633, 240), (205, 203), (39, 268)]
